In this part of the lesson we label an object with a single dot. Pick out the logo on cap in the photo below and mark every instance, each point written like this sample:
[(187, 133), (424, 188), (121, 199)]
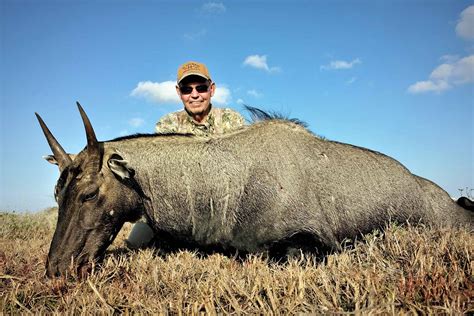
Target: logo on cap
[(190, 66), (193, 68)]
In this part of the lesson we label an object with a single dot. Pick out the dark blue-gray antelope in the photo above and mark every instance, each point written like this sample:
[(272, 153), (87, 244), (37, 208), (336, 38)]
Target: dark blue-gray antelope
[(272, 183)]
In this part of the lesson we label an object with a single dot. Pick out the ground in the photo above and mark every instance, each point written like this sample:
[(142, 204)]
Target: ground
[(404, 269)]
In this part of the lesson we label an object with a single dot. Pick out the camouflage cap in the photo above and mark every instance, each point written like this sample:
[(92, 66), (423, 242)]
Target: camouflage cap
[(192, 68)]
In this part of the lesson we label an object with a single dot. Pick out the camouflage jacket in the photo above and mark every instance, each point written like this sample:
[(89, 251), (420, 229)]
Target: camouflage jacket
[(219, 121)]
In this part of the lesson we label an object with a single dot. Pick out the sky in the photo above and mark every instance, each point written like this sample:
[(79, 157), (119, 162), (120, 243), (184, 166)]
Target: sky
[(393, 76)]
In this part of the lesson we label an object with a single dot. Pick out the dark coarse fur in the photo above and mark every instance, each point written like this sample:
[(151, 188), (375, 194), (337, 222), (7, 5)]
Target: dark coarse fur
[(270, 183), (465, 203), (260, 115), (141, 135)]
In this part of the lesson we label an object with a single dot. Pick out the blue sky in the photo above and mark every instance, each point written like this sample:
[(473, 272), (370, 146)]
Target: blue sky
[(393, 76)]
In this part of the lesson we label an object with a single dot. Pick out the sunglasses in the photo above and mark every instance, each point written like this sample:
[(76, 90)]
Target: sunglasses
[(200, 89)]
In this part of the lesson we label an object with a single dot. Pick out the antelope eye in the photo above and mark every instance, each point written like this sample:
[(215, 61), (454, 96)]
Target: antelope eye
[(90, 196)]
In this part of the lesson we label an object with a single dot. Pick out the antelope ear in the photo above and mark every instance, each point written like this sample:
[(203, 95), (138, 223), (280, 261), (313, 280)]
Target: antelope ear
[(52, 160), (120, 167)]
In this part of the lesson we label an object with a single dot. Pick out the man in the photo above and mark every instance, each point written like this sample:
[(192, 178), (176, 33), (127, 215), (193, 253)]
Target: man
[(195, 89)]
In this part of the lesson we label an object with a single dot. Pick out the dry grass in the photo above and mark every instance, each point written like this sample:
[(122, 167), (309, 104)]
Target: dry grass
[(404, 270)]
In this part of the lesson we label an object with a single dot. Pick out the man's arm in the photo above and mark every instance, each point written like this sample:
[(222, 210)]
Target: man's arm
[(167, 124), (232, 120)]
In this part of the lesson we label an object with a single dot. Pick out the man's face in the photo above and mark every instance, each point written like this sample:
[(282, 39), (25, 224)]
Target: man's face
[(196, 95)]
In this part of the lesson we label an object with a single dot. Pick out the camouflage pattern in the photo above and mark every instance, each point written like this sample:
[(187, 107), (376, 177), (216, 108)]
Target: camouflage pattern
[(219, 121)]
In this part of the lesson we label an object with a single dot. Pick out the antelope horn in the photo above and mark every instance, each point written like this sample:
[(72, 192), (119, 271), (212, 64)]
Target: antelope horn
[(61, 156), (92, 143)]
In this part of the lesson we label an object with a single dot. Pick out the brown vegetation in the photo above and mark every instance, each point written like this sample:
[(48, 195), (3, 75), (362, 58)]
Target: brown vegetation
[(402, 270)]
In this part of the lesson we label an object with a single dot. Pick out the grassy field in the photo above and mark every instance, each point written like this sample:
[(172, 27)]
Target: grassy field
[(414, 270)]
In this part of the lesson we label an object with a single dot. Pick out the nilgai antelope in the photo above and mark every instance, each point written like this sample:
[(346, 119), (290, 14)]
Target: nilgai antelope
[(271, 184)]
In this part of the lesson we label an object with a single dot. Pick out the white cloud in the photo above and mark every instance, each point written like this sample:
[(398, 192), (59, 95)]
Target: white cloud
[(157, 92), (428, 86), (136, 122), (213, 7), (259, 62), (465, 26), (254, 93), (460, 72), (446, 76), (222, 95), (341, 64), (441, 72), (240, 101)]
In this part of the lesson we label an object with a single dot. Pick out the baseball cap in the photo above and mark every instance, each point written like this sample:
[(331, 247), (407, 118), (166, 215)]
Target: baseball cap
[(192, 68)]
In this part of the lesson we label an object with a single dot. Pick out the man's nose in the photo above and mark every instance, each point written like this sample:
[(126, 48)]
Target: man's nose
[(194, 93)]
